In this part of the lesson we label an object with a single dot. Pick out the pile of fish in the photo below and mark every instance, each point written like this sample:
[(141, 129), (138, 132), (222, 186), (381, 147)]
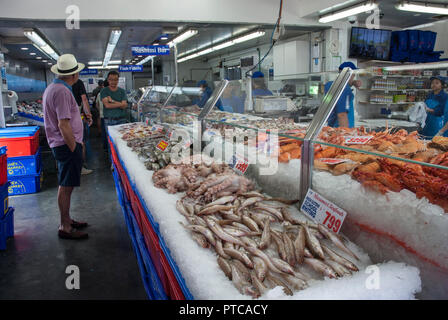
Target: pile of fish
[(260, 243), (34, 109)]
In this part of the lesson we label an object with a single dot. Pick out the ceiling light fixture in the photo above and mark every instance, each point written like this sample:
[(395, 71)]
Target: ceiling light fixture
[(95, 63), (24, 48), (351, 11), (38, 58), (145, 60), (222, 45), (32, 54), (424, 7), (182, 37), (113, 40), (41, 43)]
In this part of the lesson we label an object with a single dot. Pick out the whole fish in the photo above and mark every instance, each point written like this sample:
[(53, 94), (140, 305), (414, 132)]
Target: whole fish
[(259, 217), (224, 222), (299, 245), (270, 210), (289, 248), (180, 207), (252, 194), (200, 239), (239, 233), (197, 208), (307, 253), (242, 286), (248, 202), (236, 254), (335, 239), (313, 244), (240, 226), (294, 282), (216, 228), (280, 282), (288, 216), (249, 242), (258, 283), (230, 216), (189, 206), (321, 267), (213, 209), (229, 245), (338, 268), (280, 245), (265, 236), (341, 260), (260, 267), (221, 201), (203, 230), (262, 255), (242, 268), (251, 224), (219, 249), (225, 267), (282, 265), (236, 204)]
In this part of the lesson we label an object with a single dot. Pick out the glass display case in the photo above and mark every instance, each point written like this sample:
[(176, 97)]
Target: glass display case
[(391, 182)]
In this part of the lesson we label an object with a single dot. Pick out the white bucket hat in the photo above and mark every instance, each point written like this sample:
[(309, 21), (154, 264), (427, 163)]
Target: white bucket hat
[(67, 65)]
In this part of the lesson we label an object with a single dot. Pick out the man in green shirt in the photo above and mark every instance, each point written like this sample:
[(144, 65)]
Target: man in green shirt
[(115, 101)]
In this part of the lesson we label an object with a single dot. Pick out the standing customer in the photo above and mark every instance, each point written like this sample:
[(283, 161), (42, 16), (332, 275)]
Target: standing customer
[(79, 91), (115, 101), (64, 130)]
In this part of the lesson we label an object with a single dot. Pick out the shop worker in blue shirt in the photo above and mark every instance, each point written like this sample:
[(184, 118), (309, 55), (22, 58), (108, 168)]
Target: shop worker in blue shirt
[(343, 114), (436, 123), (259, 85), (206, 94)]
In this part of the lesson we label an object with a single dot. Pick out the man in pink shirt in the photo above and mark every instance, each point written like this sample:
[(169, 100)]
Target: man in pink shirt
[(64, 130)]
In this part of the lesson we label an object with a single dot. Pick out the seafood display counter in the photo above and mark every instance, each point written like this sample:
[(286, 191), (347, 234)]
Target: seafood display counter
[(215, 225)]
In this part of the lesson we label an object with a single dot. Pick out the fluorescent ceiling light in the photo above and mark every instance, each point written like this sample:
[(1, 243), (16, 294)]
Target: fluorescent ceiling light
[(44, 60), (182, 37), (420, 66), (145, 60), (163, 38), (38, 58), (24, 48), (115, 61), (222, 45), (41, 44), (32, 53), (95, 63), (368, 6), (423, 7), (113, 40)]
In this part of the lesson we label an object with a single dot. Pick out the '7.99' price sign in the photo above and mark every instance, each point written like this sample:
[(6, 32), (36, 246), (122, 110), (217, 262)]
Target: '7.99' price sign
[(323, 211)]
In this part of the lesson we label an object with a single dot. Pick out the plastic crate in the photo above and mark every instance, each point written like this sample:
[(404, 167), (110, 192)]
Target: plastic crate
[(4, 202), (24, 184), (21, 166), (6, 228), (3, 165), (20, 141)]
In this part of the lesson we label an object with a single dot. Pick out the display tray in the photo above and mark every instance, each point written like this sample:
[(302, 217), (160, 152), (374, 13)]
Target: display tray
[(205, 280)]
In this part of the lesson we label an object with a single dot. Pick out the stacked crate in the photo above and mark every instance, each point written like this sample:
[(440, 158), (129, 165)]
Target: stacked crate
[(6, 213), (24, 169)]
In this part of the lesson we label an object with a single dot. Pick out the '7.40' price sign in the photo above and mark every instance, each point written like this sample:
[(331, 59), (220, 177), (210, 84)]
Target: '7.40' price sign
[(323, 211)]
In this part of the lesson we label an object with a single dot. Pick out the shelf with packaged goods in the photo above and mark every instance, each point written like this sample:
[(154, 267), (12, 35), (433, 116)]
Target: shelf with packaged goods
[(395, 90), (385, 103)]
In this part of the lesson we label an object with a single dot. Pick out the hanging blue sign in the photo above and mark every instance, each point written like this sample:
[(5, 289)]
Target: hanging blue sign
[(88, 71), (150, 50), (130, 68)]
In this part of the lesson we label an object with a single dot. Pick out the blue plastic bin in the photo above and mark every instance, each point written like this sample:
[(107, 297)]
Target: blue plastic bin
[(6, 228), (24, 184), (4, 199), (21, 166)]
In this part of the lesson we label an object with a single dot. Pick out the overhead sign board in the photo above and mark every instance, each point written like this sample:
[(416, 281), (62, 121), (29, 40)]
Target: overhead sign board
[(150, 50), (88, 71), (130, 68)]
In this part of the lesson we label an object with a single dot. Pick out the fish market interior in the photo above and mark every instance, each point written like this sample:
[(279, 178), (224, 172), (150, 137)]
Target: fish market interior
[(237, 150)]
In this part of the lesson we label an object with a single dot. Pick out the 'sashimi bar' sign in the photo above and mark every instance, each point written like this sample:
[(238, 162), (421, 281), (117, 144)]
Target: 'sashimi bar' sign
[(130, 68), (150, 50)]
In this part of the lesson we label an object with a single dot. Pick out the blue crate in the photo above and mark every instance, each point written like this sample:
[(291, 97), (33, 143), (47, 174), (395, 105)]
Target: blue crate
[(6, 228), (4, 204), (22, 166), (24, 184)]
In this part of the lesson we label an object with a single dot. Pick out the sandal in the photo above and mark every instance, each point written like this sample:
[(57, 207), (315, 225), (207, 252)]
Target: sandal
[(79, 225), (73, 235)]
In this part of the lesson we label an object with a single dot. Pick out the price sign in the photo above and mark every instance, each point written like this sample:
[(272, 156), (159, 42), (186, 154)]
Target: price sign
[(357, 139), (239, 164), (162, 145), (323, 211), (331, 160), (169, 133)]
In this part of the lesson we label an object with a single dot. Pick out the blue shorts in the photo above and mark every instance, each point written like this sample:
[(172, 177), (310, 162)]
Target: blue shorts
[(69, 165)]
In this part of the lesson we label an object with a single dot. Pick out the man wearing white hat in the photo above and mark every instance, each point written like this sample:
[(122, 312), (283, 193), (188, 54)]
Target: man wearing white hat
[(64, 130)]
